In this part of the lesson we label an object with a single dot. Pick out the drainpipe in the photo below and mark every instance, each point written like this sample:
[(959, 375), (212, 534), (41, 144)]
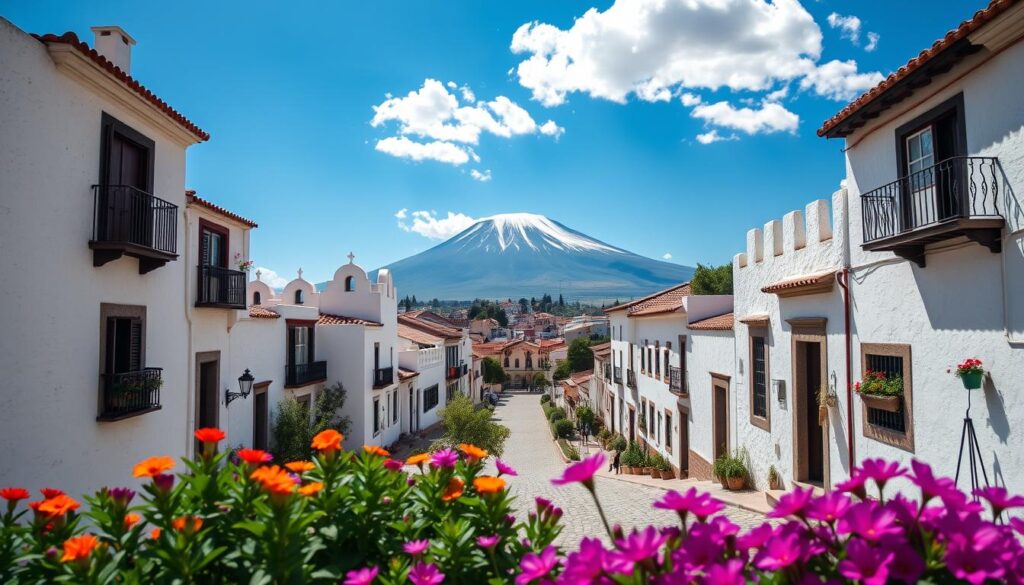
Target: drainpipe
[(189, 360), (843, 278)]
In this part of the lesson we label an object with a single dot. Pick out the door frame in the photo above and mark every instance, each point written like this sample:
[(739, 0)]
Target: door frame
[(257, 389), (719, 381), (205, 357), (808, 330), (683, 417)]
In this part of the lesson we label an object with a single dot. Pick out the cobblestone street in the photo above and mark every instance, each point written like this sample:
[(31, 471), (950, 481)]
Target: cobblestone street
[(534, 455)]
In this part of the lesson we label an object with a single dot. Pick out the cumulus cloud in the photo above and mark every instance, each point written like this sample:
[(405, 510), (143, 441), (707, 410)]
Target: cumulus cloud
[(667, 256), (689, 100), (402, 213), (713, 136), (429, 225), (839, 80), (483, 177), (850, 28), (432, 123), (872, 42), (272, 278), (770, 117)]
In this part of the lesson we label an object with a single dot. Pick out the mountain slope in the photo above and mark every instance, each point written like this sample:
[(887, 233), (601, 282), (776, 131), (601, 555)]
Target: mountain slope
[(526, 255)]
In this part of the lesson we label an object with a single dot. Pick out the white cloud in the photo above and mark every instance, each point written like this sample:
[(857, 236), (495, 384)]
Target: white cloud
[(667, 256), (689, 99), (839, 80), (769, 118), (402, 213), (713, 136), (428, 225), (432, 124), (272, 278), (872, 42), (849, 26), (777, 95), (483, 177)]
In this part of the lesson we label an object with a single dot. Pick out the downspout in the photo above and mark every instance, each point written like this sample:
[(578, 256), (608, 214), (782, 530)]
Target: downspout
[(190, 362), (843, 278)]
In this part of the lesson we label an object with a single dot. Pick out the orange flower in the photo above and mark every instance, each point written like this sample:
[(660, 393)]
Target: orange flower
[(153, 466), (300, 466), (275, 480), (58, 506), (487, 484), (49, 493), (418, 459), (187, 524), (131, 519), (155, 534), (327, 441), (375, 450), (210, 435), (311, 488), (472, 452), (454, 490), (78, 548), (254, 456)]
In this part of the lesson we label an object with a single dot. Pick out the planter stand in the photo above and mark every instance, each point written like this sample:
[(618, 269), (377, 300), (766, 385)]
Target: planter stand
[(975, 460)]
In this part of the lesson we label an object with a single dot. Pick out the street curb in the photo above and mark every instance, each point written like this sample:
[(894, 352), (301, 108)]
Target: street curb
[(668, 488)]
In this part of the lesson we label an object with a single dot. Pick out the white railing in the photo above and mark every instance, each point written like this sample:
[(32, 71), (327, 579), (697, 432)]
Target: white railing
[(430, 357)]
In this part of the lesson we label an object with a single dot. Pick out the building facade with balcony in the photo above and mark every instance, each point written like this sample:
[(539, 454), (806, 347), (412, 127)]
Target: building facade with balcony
[(457, 348), (424, 353), (93, 239)]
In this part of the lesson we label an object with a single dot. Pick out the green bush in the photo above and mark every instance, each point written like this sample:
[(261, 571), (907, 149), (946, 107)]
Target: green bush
[(603, 437), (464, 423), (556, 414), (632, 456), (293, 428), (545, 399), (563, 428), (570, 451), (618, 443)]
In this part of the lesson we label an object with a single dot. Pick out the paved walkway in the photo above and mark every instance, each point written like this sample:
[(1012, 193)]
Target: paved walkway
[(534, 455)]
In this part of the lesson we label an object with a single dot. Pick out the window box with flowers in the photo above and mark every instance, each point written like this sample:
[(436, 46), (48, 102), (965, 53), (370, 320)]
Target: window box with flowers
[(880, 391)]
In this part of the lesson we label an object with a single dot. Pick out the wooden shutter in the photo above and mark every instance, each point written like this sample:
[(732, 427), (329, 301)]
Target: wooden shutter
[(204, 248), (291, 346), (135, 346), (682, 363), (108, 367)]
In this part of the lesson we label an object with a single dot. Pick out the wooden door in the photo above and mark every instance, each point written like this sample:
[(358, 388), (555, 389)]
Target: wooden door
[(260, 419), (721, 419), (683, 416), (207, 399)]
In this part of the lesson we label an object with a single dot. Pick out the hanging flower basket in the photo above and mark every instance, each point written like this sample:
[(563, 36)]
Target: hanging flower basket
[(971, 373), (879, 402)]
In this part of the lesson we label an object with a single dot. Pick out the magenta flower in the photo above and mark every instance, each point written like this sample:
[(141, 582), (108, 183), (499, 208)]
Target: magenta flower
[(542, 503), (122, 495), (729, 573), (969, 555), (163, 482), (504, 468), (881, 471), (700, 504), (487, 541), (830, 507), (416, 547), (906, 564), (363, 576), (755, 538), (999, 499), (426, 574), (582, 472), (794, 503), (931, 486), (870, 521), (584, 566), (785, 549), (393, 465), (855, 485), (536, 566), (641, 545), (445, 458), (865, 564)]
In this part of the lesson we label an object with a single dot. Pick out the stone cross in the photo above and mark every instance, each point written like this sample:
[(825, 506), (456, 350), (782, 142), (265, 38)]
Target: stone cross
[(259, 273), (351, 258), (300, 273)]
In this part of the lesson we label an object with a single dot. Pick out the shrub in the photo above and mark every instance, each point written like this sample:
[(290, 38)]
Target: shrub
[(292, 429), (603, 437), (632, 456), (556, 414), (570, 452), (618, 443), (545, 398), (464, 423), (563, 428)]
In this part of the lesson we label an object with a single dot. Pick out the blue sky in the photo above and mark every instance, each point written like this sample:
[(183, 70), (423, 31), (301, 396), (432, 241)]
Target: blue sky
[(288, 92)]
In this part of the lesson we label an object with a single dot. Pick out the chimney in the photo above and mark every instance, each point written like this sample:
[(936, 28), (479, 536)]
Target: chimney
[(115, 45)]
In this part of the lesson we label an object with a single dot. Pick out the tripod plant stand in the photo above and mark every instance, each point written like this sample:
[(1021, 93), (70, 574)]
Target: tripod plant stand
[(969, 439)]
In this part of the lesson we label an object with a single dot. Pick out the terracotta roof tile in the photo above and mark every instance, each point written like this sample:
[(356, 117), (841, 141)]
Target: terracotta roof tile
[(328, 319), (718, 323), (421, 337), (980, 18), (404, 374), (664, 302), (192, 199), (653, 297), (258, 312), (416, 320), (70, 38), (815, 282)]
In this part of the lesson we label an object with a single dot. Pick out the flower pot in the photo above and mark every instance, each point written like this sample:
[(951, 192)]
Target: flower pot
[(973, 380), (735, 483), (886, 403), (668, 474), (627, 469), (645, 471), (655, 474)]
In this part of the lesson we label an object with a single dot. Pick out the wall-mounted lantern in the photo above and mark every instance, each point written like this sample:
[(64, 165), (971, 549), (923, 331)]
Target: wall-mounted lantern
[(244, 385)]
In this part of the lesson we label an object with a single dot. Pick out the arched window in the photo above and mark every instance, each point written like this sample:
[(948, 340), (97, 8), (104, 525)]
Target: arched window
[(350, 283), (506, 361), (517, 363), (256, 298), (298, 297)]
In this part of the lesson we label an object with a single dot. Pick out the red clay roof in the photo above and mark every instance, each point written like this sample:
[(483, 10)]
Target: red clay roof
[(328, 319), (662, 298), (418, 320), (404, 374), (421, 337), (70, 38), (980, 19), (257, 312), (192, 199), (717, 323), (816, 279)]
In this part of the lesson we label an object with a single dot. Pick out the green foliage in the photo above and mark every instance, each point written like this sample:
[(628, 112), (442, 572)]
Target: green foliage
[(712, 280), (464, 423), (294, 427), (492, 371), (585, 417), (545, 398), (618, 443), (604, 436), (563, 428), (557, 413), (730, 465), (579, 356), (562, 370), (877, 384), (569, 450), (660, 463), (483, 309), (632, 456), (541, 381)]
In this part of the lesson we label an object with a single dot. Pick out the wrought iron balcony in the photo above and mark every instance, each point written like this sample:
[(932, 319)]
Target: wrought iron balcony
[(676, 381), (631, 379), (130, 394), (383, 377), (129, 221), (618, 374), (302, 374), (959, 196), (221, 287)]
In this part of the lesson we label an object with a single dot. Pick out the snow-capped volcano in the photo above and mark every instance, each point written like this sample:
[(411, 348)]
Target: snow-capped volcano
[(517, 255)]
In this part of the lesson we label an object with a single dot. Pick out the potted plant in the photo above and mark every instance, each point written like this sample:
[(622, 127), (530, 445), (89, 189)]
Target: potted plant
[(665, 470), (656, 461), (735, 473), (970, 373), (879, 391), (719, 468), (774, 481)]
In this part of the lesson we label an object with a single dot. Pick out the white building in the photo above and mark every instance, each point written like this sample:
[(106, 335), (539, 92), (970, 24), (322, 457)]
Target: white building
[(424, 353)]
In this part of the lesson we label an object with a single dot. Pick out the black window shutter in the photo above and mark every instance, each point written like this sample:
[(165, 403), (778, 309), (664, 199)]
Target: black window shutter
[(108, 367), (311, 346), (204, 245), (135, 351), (291, 346)]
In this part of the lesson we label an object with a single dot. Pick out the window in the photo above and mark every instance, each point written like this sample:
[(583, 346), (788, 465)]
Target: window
[(659, 427), (650, 362), (657, 362), (920, 156), (759, 379), (376, 416), (430, 398), (924, 147), (300, 346), (299, 297), (394, 407), (650, 418), (506, 361), (256, 298), (643, 358), (668, 431), (894, 428), (350, 283), (517, 363), (668, 352)]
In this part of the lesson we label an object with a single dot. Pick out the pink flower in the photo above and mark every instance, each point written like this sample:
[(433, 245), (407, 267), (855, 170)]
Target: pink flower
[(865, 564), (487, 541), (445, 458), (999, 499), (122, 495), (642, 545), (363, 576), (931, 486), (854, 485), (536, 566), (906, 564), (584, 566), (792, 503), (830, 507), (755, 538), (787, 548), (426, 574), (393, 465), (416, 547), (870, 521), (163, 482), (701, 504), (504, 468), (729, 573), (969, 554), (582, 472), (881, 471)]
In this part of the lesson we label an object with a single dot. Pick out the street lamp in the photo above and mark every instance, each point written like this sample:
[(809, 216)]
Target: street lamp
[(244, 384)]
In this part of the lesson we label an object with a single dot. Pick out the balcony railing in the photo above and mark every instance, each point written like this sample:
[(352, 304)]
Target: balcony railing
[(383, 377), (130, 393), (302, 374), (127, 220), (631, 379), (221, 287), (618, 374), (958, 196), (457, 371), (676, 382)]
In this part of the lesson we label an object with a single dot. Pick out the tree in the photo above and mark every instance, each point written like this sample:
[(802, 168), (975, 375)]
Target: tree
[(294, 429), (492, 371), (524, 305), (712, 280), (562, 370), (561, 301), (464, 423), (585, 419), (541, 381), (579, 356)]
